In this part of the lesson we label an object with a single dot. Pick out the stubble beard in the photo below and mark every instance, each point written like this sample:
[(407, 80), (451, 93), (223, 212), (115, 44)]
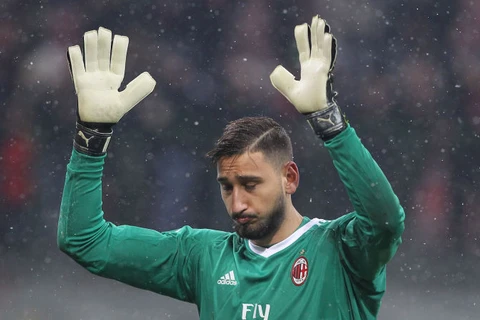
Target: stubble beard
[(267, 226)]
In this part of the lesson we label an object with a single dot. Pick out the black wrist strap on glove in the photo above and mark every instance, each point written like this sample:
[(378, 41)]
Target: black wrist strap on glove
[(92, 141), (329, 122)]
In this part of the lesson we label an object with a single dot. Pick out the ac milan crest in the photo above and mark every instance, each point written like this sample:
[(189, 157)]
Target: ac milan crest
[(299, 271)]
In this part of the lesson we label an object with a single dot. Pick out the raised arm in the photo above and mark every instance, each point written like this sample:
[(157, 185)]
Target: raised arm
[(370, 236), (140, 257)]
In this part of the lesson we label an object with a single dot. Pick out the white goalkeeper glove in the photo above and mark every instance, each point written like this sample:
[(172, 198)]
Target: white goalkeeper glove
[(100, 104), (313, 94)]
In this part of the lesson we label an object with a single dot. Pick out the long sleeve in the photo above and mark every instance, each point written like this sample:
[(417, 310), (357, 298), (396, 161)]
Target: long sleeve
[(372, 234), (147, 259)]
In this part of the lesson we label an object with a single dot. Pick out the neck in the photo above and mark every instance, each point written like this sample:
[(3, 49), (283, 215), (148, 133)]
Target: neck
[(292, 221)]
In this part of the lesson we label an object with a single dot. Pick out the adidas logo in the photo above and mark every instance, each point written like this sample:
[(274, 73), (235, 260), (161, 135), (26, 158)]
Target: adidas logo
[(228, 279)]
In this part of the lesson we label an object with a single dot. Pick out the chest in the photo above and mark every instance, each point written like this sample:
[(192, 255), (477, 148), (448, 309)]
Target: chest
[(245, 285)]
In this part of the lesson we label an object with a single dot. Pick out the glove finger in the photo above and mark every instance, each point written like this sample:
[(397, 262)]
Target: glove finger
[(314, 36), (303, 46), (333, 53), (90, 39), (75, 63), (330, 45), (282, 80), (318, 31), (119, 55), (327, 48), (137, 90), (327, 27), (104, 48)]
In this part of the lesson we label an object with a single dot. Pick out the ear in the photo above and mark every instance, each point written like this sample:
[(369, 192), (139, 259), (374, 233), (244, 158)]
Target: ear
[(291, 176)]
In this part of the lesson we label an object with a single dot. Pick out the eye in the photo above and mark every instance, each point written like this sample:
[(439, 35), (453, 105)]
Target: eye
[(250, 186), (226, 187)]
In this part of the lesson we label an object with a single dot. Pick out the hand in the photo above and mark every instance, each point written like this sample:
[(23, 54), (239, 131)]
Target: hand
[(317, 52), (97, 82)]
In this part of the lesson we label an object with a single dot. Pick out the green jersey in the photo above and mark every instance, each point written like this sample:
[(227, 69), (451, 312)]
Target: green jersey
[(324, 270)]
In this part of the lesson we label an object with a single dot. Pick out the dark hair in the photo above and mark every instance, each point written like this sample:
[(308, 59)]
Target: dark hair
[(253, 134)]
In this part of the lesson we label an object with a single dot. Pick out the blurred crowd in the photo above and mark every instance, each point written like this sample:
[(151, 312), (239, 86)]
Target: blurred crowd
[(407, 76)]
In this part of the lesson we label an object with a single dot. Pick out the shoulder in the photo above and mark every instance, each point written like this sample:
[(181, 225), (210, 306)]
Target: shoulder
[(334, 225), (203, 236)]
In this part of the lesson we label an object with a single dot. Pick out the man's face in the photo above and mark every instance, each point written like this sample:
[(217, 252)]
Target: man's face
[(253, 193)]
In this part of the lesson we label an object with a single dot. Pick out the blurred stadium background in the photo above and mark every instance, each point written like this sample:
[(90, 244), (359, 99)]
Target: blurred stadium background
[(407, 74)]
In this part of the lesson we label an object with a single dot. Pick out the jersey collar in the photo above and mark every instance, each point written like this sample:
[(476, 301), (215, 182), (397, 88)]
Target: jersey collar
[(267, 252)]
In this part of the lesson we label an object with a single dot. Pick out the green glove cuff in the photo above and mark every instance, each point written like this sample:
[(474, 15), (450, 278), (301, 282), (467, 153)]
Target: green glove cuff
[(91, 141), (327, 123)]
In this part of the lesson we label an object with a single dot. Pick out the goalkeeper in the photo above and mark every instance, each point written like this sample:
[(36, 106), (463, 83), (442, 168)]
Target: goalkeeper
[(278, 264)]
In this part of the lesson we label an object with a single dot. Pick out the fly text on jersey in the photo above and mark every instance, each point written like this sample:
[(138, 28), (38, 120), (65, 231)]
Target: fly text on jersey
[(255, 311)]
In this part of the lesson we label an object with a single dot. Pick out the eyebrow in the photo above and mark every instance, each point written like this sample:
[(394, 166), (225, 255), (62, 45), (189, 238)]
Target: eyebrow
[(241, 179)]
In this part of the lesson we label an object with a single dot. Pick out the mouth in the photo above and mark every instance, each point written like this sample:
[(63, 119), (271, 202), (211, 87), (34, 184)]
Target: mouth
[(244, 219)]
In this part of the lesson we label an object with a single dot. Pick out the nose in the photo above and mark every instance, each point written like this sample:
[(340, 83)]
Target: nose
[(238, 201)]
